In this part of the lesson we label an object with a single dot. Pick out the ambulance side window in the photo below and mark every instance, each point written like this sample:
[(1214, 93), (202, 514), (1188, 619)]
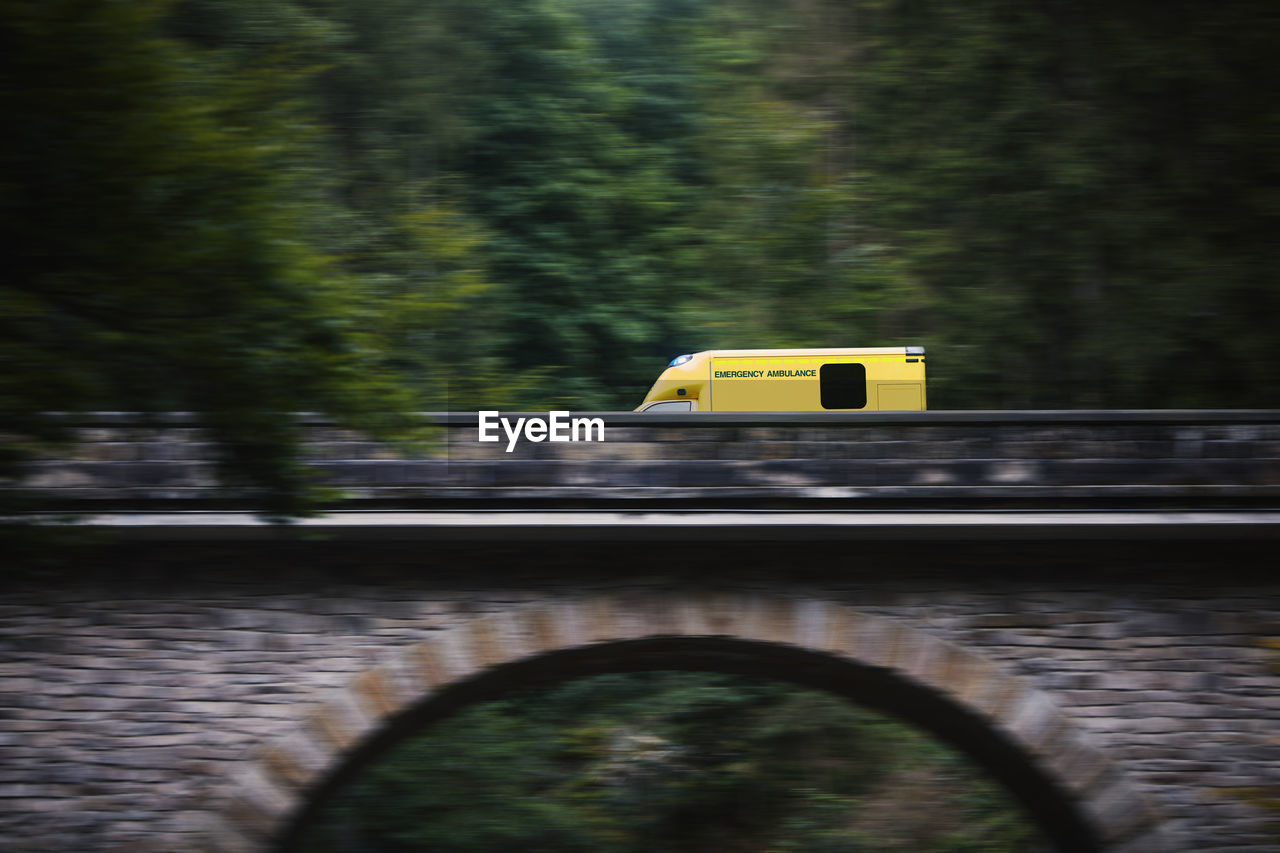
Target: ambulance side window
[(843, 386), (672, 406)]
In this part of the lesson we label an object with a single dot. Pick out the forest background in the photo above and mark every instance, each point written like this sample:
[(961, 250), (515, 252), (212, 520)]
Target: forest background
[(247, 207)]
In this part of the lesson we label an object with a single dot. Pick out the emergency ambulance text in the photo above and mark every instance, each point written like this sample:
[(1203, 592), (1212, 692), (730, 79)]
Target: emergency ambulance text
[(756, 374)]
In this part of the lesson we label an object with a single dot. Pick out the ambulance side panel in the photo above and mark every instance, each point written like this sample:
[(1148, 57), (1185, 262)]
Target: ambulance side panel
[(816, 383)]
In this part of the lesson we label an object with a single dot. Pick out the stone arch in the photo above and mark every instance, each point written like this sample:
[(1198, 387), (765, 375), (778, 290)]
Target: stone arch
[(1080, 797)]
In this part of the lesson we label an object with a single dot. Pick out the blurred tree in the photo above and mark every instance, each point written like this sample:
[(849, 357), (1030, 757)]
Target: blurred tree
[(161, 211), (672, 761), (387, 83), (1083, 190), (779, 256), (577, 187)]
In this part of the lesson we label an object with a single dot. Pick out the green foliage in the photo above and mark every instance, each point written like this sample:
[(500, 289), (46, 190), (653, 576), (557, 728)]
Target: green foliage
[(247, 209), (160, 210), (1080, 187), (384, 81), (578, 202), (669, 761)]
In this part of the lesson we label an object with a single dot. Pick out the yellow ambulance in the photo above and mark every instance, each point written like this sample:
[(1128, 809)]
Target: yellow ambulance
[(791, 380)]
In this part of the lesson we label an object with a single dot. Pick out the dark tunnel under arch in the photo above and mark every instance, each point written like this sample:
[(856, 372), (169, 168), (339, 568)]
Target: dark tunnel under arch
[(1049, 805)]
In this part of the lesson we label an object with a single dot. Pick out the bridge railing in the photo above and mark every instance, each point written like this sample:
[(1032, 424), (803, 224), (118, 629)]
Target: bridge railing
[(933, 458)]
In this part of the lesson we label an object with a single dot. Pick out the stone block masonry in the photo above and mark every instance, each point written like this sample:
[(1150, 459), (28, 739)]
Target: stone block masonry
[(197, 697)]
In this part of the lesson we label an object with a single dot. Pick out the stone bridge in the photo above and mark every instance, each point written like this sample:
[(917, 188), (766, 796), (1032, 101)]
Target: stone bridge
[(1086, 603)]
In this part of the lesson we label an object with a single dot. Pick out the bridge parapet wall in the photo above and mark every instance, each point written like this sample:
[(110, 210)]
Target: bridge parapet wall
[(932, 456)]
